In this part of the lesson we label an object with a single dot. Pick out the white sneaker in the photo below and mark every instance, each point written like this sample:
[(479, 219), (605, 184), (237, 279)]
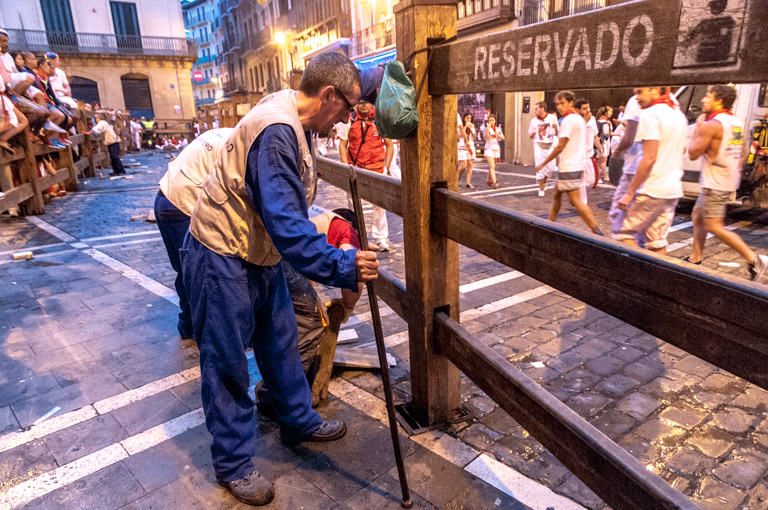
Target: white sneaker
[(13, 211), (541, 192), (383, 244), (761, 264)]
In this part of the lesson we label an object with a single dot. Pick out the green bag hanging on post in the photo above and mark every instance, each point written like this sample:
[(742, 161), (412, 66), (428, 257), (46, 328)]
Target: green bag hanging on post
[(396, 112)]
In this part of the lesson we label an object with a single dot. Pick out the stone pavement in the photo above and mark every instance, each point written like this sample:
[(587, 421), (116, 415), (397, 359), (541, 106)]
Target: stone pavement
[(90, 328)]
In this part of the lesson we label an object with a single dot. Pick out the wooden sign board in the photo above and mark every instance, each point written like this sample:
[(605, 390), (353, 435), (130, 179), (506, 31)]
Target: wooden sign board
[(641, 43)]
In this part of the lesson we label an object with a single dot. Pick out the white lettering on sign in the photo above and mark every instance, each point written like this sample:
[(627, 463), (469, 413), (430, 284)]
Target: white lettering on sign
[(602, 29), (480, 61), (646, 22), (540, 55), (509, 56), (561, 55), (523, 55), (492, 60), (581, 51), (497, 60)]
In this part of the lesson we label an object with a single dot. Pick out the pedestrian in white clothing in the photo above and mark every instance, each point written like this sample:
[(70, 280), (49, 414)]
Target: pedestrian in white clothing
[(570, 148), (493, 136), (650, 210), (543, 131), (591, 141)]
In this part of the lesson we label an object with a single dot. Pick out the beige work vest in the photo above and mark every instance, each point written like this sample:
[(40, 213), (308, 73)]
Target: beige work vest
[(223, 219)]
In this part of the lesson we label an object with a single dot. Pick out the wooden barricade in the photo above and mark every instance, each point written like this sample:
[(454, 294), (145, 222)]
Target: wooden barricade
[(29, 194), (717, 318)]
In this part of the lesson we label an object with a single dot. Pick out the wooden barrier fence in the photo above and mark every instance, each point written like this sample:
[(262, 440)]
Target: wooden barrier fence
[(29, 194), (717, 318)]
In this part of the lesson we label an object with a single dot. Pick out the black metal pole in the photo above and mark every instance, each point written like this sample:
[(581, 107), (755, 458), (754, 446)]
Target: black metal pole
[(380, 347)]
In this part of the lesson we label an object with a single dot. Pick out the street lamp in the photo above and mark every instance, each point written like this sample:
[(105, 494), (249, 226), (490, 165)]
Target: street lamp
[(280, 38)]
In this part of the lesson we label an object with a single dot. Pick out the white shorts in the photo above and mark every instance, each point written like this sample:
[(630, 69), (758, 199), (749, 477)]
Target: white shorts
[(540, 153), (493, 152), (466, 154)]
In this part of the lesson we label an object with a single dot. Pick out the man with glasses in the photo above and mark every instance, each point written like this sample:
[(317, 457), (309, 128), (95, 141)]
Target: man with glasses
[(252, 211)]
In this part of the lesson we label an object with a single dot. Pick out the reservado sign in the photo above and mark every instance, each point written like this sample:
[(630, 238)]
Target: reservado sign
[(646, 42)]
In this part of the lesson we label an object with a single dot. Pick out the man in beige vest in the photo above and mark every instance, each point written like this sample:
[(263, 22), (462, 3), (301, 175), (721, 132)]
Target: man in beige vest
[(252, 210)]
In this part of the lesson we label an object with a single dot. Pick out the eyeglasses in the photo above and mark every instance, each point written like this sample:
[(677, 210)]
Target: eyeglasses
[(350, 106)]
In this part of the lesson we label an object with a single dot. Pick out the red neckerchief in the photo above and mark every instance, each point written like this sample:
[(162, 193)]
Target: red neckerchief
[(665, 99), (542, 118), (718, 112), (569, 113)]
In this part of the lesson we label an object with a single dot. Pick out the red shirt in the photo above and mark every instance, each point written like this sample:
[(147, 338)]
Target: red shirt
[(340, 232)]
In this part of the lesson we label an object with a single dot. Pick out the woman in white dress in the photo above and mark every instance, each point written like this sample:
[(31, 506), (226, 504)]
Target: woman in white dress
[(467, 135), (493, 135)]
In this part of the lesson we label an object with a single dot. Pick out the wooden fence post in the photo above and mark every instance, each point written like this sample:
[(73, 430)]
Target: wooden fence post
[(431, 264), (28, 173)]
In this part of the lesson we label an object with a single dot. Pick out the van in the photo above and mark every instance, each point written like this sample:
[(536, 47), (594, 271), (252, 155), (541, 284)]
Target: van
[(751, 107)]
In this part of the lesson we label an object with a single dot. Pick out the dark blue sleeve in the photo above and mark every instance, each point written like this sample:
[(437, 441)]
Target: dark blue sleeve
[(273, 182)]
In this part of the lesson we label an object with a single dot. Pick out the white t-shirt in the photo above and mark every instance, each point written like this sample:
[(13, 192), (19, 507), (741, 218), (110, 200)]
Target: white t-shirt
[(589, 140), (104, 127), (635, 152), (59, 82), (572, 158), (545, 129), (669, 126)]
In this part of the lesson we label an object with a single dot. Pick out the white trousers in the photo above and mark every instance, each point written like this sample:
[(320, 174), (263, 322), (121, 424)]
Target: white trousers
[(380, 227)]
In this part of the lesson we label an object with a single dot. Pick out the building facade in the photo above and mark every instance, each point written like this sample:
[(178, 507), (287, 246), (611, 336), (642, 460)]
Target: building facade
[(199, 18), (122, 55), (373, 32), (322, 26)]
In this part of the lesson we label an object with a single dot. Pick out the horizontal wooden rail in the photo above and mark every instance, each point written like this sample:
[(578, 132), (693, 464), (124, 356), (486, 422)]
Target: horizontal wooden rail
[(609, 470), (16, 196), (392, 291), (375, 188), (627, 45), (62, 174), (718, 318)]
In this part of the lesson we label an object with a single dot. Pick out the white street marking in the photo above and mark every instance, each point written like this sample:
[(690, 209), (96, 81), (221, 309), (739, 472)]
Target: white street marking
[(687, 242), (487, 282), (71, 418), (495, 306), (120, 236), (520, 487), (126, 243)]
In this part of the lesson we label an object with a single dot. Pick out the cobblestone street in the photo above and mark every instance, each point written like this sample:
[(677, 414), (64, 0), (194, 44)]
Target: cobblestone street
[(89, 327)]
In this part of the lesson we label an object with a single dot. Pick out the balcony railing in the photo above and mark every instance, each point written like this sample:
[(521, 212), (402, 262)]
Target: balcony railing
[(194, 19), (233, 85), (205, 81), (41, 41), (369, 40), (537, 11), (205, 100)]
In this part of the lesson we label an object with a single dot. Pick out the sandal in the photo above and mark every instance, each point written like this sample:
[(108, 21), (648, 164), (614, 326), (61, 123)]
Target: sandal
[(494, 185), (469, 186), (688, 259), (6, 147)]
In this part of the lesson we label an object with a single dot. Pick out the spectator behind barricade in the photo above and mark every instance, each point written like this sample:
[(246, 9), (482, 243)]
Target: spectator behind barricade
[(62, 115), (60, 82), (112, 142), (36, 114), (12, 122), (19, 81), (136, 130)]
